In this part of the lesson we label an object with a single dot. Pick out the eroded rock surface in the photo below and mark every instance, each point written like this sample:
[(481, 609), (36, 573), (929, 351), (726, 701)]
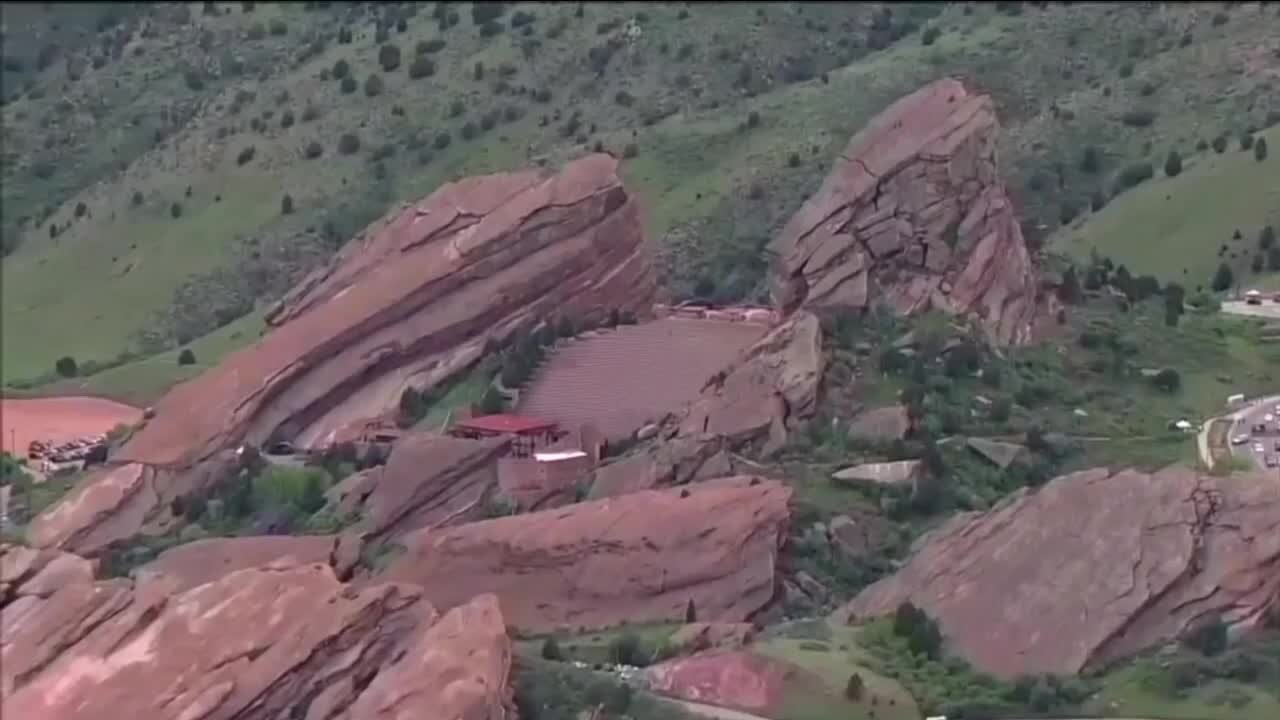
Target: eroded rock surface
[(413, 301), (915, 213), (283, 640), (770, 390), (1113, 563), (641, 557), (734, 679)]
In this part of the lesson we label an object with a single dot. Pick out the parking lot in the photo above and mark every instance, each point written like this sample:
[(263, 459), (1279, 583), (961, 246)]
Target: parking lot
[(1256, 434)]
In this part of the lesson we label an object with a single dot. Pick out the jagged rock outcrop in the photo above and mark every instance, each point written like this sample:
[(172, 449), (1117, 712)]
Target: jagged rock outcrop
[(1113, 563), (770, 390), (734, 679), (195, 563), (641, 557), (914, 213), (413, 301), (429, 480), (270, 642)]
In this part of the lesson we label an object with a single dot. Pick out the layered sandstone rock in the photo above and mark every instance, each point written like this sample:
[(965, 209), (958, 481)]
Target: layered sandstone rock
[(416, 299), (1113, 563), (642, 557), (429, 480), (186, 566), (915, 213), (768, 391), (734, 679), (276, 641)]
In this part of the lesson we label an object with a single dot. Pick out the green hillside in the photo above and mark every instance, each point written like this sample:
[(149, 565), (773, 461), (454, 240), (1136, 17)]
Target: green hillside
[(1181, 228), (148, 153)]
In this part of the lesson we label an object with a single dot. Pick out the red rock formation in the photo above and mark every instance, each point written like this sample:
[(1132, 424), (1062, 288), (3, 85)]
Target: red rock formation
[(638, 558), (263, 643), (416, 299), (769, 390), (186, 566), (1112, 563), (915, 213), (429, 480), (732, 679)]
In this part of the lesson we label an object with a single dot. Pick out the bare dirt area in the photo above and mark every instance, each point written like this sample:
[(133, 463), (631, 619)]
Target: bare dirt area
[(619, 380), (59, 419)]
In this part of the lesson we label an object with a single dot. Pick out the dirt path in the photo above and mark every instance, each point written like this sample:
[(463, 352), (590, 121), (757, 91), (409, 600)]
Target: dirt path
[(712, 711), (59, 419)]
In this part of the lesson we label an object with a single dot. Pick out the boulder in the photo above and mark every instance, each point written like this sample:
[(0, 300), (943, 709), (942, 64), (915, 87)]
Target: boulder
[(881, 424), (179, 569), (914, 213), (1114, 563), (885, 473), (416, 300), (270, 642), (637, 558), (733, 679), (858, 538), (1000, 454)]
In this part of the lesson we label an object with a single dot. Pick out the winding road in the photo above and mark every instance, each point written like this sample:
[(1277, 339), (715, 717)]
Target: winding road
[(1241, 422)]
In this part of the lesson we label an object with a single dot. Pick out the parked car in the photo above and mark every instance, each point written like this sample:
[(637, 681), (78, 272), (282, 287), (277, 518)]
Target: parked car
[(1240, 440)]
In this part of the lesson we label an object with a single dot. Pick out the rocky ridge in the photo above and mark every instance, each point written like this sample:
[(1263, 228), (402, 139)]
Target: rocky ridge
[(915, 213), (1115, 563), (640, 557), (281, 640)]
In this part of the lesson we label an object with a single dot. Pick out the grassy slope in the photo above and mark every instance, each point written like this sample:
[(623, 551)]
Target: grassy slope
[(1125, 692), (693, 169), (1173, 227)]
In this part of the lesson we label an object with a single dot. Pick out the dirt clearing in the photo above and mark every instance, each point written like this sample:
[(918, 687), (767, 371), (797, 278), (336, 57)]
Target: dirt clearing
[(59, 419)]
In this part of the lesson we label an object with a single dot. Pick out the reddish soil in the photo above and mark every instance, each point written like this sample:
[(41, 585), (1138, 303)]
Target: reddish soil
[(59, 419), (618, 380)]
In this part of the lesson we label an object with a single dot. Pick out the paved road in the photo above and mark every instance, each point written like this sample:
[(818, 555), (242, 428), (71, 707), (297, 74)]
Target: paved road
[(712, 711), (1255, 414), (1268, 309)]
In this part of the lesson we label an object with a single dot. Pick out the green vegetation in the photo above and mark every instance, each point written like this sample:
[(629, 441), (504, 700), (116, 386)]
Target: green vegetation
[(1181, 228), (555, 691), (637, 645), (707, 137)]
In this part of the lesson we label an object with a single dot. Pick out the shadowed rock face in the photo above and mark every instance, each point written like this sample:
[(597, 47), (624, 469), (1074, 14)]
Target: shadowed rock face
[(1113, 563), (642, 557), (914, 213), (416, 299), (277, 641)]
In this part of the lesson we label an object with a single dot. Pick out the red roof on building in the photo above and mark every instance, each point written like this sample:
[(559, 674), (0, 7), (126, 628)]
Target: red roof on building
[(505, 424)]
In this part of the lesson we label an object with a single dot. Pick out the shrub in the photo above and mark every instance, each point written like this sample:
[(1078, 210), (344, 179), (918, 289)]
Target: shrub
[(1224, 278), (542, 95), (1260, 150), (186, 357), (195, 82), (389, 57), (1220, 144), (551, 650), (456, 108), (66, 366), (928, 37), (427, 47), (348, 85), (1134, 175), (624, 98), (854, 688), (286, 204), (176, 210), (483, 12), (1167, 380), (341, 69), (1138, 117), (1267, 238), (794, 160), (442, 140), (373, 85), (630, 151), (1209, 639), (491, 28), (310, 113), (137, 198), (477, 72), (257, 31), (1219, 19), (421, 67), (1173, 164), (81, 209), (246, 155), (278, 27), (313, 150), (469, 130), (348, 144), (286, 119)]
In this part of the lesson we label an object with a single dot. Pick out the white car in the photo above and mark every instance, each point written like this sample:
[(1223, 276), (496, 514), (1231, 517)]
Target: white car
[(1257, 447), (1240, 440)]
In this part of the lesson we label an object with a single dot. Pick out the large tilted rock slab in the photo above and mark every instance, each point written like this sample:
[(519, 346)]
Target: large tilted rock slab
[(278, 641), (914, 213), (415, 300), (1093, 567), (642, 557), (768, 391), (411, 302), (429, 481)]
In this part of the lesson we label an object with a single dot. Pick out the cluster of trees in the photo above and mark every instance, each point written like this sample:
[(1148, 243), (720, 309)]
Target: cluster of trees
[(919, 630)]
